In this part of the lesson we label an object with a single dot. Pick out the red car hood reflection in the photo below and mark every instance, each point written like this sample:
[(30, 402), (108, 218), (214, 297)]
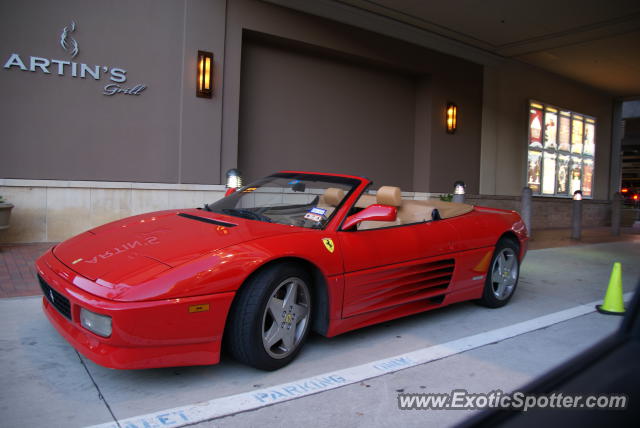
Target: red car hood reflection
[(136, 249)]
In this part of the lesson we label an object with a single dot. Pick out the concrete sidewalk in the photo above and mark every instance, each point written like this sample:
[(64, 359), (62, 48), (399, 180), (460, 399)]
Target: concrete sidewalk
[(38, 366)]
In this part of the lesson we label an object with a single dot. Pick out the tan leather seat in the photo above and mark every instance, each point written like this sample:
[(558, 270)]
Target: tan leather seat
[(389, 195), (365, 200), (330, 199)]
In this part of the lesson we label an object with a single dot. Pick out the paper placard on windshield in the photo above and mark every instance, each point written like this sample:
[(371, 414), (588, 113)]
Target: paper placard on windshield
[(318, 211), (313, 217)]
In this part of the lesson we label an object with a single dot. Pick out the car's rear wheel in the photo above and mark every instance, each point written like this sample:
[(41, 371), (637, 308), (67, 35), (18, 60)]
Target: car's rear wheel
[(502, 276), (271, 317)]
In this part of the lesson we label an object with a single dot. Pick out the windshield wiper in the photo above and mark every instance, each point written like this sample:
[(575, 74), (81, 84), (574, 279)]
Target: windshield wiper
[(206, 207)]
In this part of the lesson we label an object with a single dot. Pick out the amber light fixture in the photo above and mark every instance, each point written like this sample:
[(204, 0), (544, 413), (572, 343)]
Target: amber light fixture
[(452, 118), (204, 82)]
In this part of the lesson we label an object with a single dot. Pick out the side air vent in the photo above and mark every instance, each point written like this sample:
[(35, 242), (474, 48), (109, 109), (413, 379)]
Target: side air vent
[(207, 220), (427, 282)]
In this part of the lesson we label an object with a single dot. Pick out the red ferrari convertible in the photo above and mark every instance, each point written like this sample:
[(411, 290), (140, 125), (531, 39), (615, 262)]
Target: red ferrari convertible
[(260, 268)]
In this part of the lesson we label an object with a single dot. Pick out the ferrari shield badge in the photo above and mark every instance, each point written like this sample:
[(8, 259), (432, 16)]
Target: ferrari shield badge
[(328, 243)]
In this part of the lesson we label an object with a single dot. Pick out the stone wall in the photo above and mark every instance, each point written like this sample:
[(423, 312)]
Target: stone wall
[(53, 210), (550, 213)]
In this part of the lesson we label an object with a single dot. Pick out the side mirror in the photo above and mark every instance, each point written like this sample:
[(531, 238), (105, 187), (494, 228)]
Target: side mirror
[(375, 212)]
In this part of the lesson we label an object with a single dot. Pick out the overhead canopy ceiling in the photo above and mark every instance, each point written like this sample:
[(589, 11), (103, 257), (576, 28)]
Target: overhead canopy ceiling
[(596, 42)]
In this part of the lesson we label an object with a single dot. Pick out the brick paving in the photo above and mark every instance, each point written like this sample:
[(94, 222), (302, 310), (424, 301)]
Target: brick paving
[(18, 274), (17, 271)]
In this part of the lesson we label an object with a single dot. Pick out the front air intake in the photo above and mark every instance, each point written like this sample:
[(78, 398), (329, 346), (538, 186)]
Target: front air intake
[(56, 299)]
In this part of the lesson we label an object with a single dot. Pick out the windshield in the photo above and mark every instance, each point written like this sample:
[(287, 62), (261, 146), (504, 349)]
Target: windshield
[(304, 200)]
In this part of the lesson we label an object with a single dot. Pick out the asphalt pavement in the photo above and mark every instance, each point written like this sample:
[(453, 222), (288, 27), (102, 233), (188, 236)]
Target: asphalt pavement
[(464, 346)]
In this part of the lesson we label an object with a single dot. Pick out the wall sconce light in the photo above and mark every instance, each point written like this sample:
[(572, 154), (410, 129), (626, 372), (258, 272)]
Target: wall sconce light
[(204, 82), (452, 118)]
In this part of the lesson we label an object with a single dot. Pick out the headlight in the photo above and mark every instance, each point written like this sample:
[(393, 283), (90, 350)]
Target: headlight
[(96, 323)]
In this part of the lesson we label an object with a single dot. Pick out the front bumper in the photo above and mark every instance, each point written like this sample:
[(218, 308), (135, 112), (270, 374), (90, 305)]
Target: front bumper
[(162, 333)]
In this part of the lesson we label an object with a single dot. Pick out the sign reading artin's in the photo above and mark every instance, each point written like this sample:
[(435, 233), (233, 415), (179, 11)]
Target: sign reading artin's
[(75, 69)]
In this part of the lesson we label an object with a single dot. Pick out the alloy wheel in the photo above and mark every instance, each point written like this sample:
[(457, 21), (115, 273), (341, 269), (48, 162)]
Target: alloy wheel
[(504, 273), (286, 318)]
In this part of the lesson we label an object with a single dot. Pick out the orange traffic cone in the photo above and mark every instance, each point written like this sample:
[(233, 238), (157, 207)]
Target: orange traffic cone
[(613, 303)]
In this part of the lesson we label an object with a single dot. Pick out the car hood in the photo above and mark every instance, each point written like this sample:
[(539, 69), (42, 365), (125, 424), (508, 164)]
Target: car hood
[(134, 250)]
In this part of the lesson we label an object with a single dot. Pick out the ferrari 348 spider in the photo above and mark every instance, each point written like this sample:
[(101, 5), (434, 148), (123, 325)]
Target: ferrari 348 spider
[(261, 268)]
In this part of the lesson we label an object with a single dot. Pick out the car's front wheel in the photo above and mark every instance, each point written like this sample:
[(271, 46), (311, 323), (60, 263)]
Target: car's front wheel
[(503, 274), (271, 317)]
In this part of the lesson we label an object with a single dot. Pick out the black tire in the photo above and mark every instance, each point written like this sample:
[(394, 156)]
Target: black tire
[(253, 325), (502, 276)]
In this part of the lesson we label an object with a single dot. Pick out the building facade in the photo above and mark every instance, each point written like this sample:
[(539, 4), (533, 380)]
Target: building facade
[(101, 119)]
